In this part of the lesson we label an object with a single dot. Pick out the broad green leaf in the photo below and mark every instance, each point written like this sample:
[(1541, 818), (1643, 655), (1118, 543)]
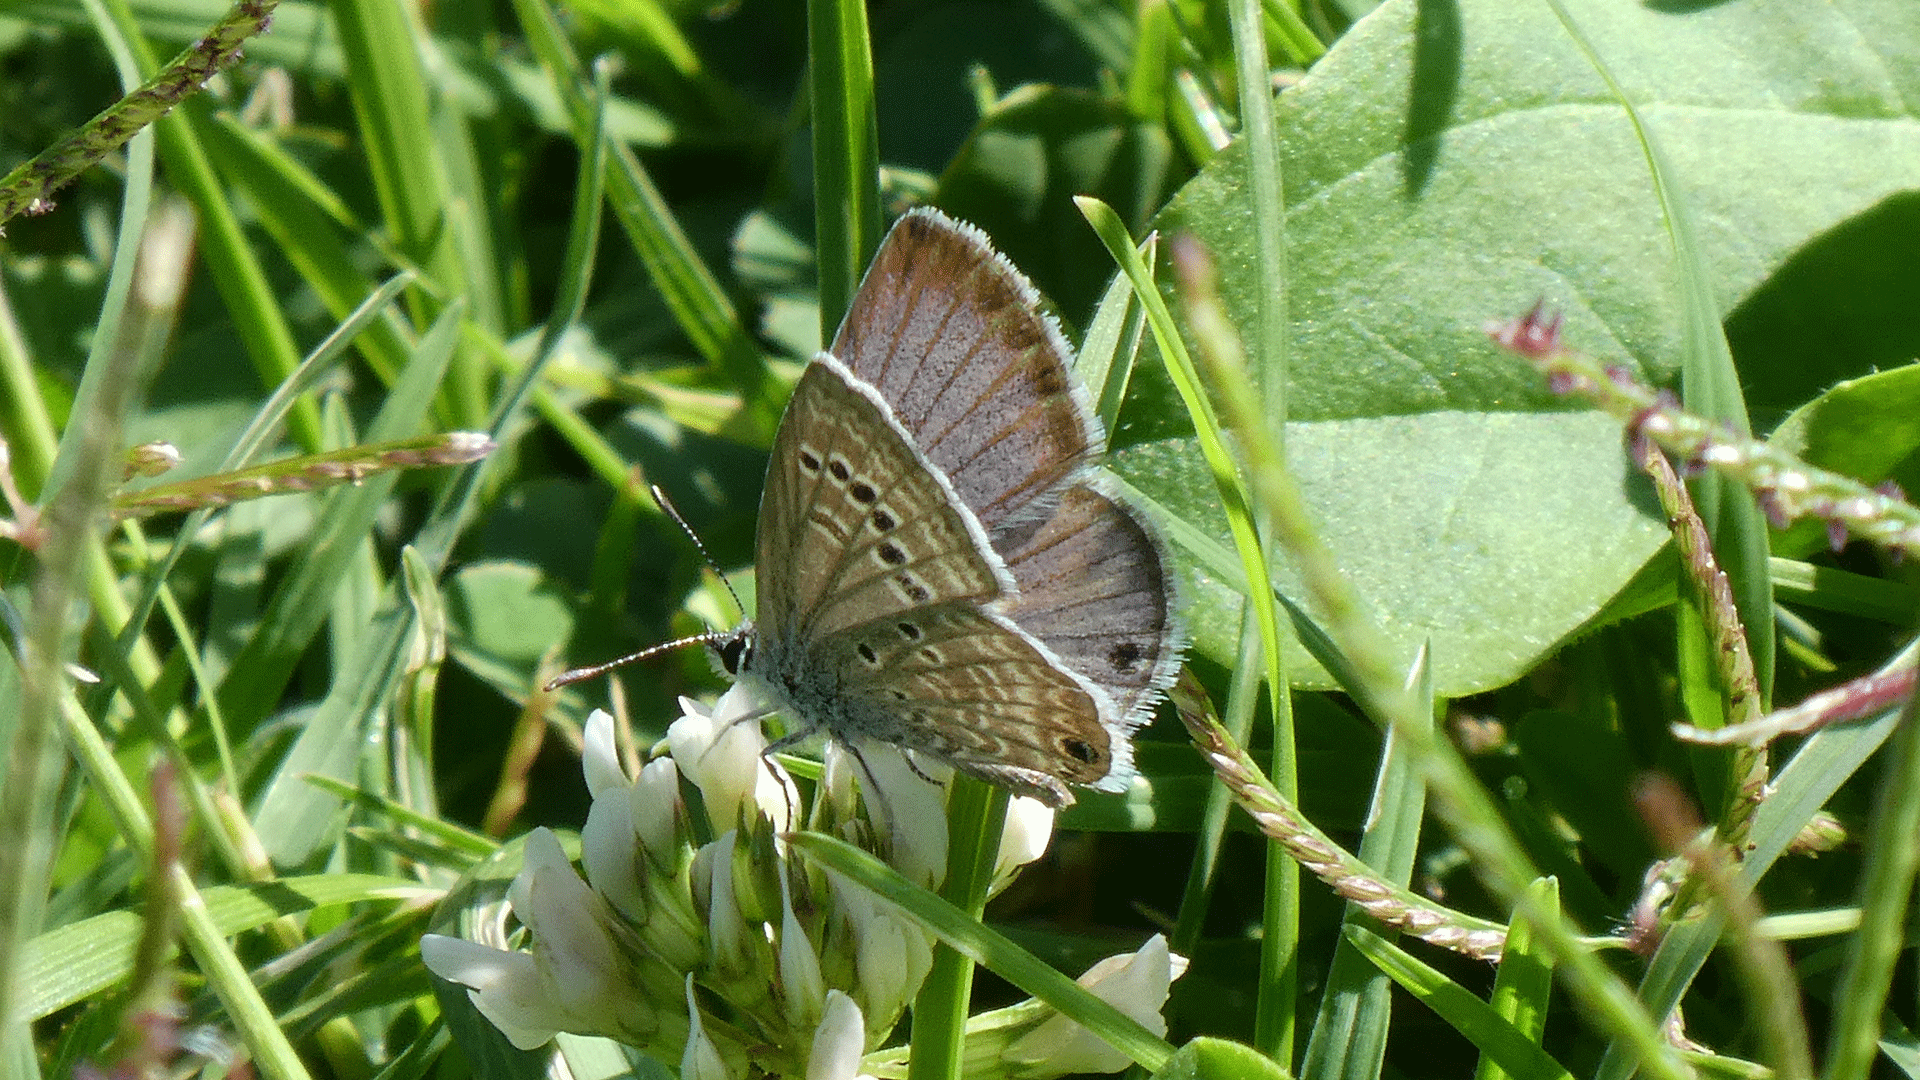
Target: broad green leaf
[(1469, 505)]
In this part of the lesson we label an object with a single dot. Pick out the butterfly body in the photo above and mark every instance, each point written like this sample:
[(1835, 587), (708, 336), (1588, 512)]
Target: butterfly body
[(939, 568)]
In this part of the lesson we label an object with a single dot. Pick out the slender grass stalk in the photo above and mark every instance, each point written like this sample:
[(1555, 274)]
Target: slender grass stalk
[(243, 284), (1270, 357), (409, 156), (976, 816), (1709, 384), (30, 187), (1349, 1037), (700, 306)]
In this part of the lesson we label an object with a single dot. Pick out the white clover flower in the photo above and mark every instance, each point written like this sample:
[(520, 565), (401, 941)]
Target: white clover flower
[(805, 970), (908, 811), (839, 1041), (654, 804), (1135, 983), (608, 847), (701, 1060), (803, 990), (505, 986), (721, 753), (599, 759), (893, 959), (1025, 837), (580, 975)]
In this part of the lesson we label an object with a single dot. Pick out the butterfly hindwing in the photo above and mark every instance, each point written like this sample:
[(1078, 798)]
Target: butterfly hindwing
[(1094, 588), (973, 689)]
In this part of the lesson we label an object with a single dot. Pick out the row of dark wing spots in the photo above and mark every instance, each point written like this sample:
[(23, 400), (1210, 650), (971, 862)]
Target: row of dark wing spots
[(809, 462), (862, 492), (910, 631), (890, 553), (836, 466), (867, 653), (915, 591)]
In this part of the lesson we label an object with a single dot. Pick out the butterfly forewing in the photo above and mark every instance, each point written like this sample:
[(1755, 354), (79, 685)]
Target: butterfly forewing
[(1094, 588), (854, 526), (970, 687), (952, 335)]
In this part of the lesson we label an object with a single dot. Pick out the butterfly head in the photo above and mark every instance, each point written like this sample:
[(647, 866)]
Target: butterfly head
[(732, 651)]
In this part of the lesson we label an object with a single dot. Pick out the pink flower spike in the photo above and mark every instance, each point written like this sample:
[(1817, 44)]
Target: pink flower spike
[(1836, 535), (1777, 515), (1533, 335), (1891, 489)]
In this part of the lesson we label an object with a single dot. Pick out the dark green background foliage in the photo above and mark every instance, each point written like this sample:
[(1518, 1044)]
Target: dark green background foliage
[(1446, 163)]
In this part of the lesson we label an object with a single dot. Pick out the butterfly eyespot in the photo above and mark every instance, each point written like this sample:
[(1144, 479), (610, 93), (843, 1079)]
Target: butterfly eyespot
[(914, 591), (866, 653), (910, 631), (837, 469), (899, 695), (1080, 751), (863, 492), (883, 521), (1125, 657), (891, 554), (1046, 378), (809, 461), (932, 655)]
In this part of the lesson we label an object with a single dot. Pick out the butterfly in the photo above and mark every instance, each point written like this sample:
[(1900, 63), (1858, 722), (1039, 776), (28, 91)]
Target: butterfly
[(940, 565)]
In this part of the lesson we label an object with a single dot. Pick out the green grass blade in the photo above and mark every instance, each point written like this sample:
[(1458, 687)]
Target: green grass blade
[(1520, 1056), (1826, 760), (699, 305), (972, 939), (1349, 1038), (976, 817), (1523, 987), (846, 153), (294, 615)]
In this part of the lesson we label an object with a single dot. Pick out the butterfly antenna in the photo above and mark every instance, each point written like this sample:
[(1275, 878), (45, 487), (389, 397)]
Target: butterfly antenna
[(666, 506), (566, 678)]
